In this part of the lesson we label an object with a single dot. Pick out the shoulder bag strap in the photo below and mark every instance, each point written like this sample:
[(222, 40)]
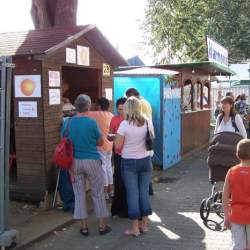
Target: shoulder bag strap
[(66, 132), (234, 123), (147, 125)]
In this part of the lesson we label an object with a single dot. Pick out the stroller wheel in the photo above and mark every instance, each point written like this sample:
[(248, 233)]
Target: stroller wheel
[(218, 197), (204, 209), (218, 204)]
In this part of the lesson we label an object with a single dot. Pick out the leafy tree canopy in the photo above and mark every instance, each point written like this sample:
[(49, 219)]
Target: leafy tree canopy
[(177, 29)]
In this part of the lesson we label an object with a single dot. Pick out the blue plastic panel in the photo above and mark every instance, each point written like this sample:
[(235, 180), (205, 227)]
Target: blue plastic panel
[(149, 87), (171, 126)]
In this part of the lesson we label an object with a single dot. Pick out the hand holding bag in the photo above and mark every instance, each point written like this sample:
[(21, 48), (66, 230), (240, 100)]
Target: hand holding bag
[(149, 139)]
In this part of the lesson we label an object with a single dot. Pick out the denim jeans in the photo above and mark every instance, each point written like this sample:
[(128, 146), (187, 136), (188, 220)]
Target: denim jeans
[(136, 174)]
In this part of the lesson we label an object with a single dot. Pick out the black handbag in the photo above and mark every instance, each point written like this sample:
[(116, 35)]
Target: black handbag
[(149, 139)]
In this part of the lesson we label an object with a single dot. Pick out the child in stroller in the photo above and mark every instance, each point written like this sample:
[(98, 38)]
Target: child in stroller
[(221, 157)]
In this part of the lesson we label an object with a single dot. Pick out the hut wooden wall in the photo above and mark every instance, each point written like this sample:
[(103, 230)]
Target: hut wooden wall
[(53, 114), (29, 137), (195, 130)]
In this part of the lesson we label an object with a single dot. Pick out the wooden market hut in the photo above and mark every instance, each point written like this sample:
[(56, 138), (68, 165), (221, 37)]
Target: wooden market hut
[(195, 116), (79, 55)]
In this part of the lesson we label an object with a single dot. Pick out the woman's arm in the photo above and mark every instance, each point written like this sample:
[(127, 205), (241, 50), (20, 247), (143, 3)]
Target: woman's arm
[(100, 141), (226, 200), (120, 135), (240, 126), (151, 127), (119, 140)]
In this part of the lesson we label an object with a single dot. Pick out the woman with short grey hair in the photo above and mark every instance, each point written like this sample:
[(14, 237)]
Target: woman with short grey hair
[(86, 136)]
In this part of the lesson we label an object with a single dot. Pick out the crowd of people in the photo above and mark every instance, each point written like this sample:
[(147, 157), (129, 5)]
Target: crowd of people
[(99, 137), (96, 136)]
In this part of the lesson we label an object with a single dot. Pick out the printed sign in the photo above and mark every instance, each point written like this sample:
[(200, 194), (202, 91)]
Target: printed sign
[(54, 78), (82, 55), (109, 94), (216, 52), (27, 86), (27, 109), (106, 69), (70, 55), (54, 96)]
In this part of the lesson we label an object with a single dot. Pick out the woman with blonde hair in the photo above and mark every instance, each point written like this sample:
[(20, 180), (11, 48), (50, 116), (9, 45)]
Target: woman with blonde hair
[(136, 164)]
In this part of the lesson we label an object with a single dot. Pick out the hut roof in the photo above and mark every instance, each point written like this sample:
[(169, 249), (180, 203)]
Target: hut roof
[(146, 71), (46, 41)]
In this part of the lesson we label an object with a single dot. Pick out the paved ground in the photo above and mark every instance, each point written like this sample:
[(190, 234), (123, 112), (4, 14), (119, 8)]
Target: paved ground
[(175, 223)]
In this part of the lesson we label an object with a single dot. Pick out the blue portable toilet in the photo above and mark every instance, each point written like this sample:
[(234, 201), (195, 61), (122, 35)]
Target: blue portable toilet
[(160, 89)]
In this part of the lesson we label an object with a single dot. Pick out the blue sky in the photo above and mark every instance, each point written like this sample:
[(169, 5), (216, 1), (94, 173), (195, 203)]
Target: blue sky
[(118, 20)]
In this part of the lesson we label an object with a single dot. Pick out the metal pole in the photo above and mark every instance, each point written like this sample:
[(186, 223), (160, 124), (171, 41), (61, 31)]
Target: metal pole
[(7, 236), (7, 140), (2, 150)]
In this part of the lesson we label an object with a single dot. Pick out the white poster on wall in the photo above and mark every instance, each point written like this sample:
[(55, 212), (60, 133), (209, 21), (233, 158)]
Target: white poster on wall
[(27, 86), (82, 55), (109, 94), (27, 109), (54, 78), (70, 55), (54, 96)]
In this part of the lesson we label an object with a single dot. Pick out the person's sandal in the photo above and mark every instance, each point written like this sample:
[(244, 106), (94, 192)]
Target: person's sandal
[(105, 230), (144, 230), (84, 231), (129, 232)]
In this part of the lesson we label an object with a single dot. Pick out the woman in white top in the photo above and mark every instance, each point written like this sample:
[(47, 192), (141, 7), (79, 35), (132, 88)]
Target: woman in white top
[(228, 120), (136, 164)]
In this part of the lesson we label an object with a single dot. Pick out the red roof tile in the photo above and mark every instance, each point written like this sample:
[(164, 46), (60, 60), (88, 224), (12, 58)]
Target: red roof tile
[(43, 41), (34, 41)]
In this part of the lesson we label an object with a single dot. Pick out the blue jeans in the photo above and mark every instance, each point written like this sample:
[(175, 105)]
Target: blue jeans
[(136, 174)]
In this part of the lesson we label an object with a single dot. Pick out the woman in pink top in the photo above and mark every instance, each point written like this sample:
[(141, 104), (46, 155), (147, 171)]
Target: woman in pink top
[(136, 164), (103, 118)]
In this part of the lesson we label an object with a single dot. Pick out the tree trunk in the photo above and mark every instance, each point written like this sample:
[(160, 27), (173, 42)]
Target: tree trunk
[(40, 14), (65, 14), (54, 13)]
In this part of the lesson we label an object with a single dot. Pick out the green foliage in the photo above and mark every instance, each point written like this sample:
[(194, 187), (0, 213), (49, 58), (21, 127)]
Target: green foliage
[(178, 28)]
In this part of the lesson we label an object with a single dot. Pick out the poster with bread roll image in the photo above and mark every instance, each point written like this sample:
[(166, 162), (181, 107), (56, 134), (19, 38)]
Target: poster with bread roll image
[(27, 86), (82, 55)]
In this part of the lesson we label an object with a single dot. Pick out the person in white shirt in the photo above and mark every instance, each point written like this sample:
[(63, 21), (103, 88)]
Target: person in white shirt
[(228, 120), (136, 165)]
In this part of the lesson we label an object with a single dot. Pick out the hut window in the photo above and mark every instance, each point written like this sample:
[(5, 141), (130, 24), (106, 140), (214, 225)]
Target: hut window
[(199, 99), (206, 95), (188, 90), (81, 81)]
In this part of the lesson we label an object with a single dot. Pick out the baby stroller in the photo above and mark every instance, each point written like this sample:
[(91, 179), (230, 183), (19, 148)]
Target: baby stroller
[(221, 157)]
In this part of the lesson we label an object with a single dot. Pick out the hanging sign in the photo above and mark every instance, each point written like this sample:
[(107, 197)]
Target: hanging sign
[(27, 109), (82, 55), (27, 86), (216, 52), (109, 93), (70, 55), (54, 96), (54, 78), (106, 69)]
